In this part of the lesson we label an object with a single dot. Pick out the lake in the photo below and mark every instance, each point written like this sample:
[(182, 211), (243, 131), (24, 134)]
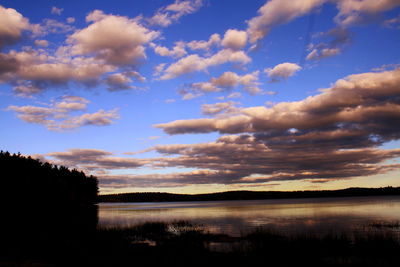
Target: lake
[(316, 215)]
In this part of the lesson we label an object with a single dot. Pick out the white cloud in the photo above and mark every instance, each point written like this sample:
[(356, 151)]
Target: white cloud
[(277, 12), (355, 11), (339, 38), (159, 69), (119, 81), (36, 70), (189, 95), (234, 39), (12, 24), (42, 43), (218, 108), (227, 81), (94, 160), (194, 62), (123, 81), (392, 23), (170, 100), (177, 51), (167, 15), (56, 10), (282, 71), (214, 39), (57, 116), (235, 95), (122, 47), (70, 20), (324, 53), (52, 26), (160, 19), (363, 103), (91, 56)]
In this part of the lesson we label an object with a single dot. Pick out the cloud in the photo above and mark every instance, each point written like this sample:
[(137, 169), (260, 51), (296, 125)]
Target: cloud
[(354, 11), (42, 43), (392, 23), (235, 95), (70, 20), (244, 159), (339, 38), (12, 25), (386, 67), (174, 179), (94, 55), (122, 81), (124, 47), (170, 100), (159, 69), (231, 160), (194, 62), (185, 65), (234, 39), (35, 70), (336, 134), (99, 118), (227, 81), (70, 103), (189, 95), (330, 136), (323, 53), (218, 108), (160, 19), (214, 39), (94, 160), (8, 64), (282, 71), (58, 115), (119, 81), (277, 12), (167, 15), (366, 102), (177, 51), (52, 26), (56, 10)]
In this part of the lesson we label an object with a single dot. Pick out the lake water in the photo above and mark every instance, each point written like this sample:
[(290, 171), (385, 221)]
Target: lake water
[(317, 215)]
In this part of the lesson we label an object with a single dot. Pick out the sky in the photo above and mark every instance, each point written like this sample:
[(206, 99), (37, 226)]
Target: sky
[(199, 96)]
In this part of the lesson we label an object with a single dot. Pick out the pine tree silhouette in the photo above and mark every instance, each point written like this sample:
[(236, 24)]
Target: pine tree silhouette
[(43, 206)]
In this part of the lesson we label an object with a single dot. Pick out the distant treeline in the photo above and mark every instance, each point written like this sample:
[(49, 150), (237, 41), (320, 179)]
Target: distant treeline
[(248, 195)]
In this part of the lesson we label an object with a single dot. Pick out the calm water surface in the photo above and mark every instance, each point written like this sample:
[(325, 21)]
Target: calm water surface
[(318, 215)]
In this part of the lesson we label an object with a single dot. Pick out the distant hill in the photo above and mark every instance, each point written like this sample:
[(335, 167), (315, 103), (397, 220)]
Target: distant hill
[(248, 195)]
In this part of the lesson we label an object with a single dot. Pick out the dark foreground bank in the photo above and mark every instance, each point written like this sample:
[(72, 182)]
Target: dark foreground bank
[(184, 244)]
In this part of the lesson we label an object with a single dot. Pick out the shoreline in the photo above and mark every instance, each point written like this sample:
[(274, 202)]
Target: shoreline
[(247, 195)]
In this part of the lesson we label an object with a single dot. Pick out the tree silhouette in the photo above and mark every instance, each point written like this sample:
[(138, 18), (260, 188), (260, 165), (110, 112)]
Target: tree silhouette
[(44, 206)]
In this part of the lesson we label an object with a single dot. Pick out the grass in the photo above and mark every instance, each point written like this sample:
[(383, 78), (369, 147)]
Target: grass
[(181, 243)]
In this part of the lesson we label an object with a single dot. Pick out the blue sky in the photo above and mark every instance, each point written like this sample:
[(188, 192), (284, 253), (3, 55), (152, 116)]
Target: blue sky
[(204, 96)]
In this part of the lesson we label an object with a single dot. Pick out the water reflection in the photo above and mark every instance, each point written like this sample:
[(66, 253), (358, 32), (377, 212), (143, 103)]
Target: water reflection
[(235, 217)]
